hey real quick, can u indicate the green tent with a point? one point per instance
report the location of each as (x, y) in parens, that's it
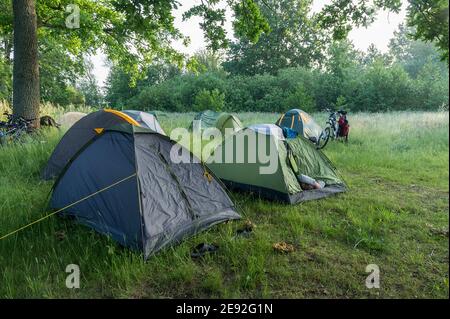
(221, 121)
(260, 160)
(227, 122)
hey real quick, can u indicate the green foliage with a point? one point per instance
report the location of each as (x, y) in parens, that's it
(118, 88)
(428, 17)
(133, 34)
(91, 93)
(406, 78)
(5, 79)
(59, 75)
(432, 90)
(249, 21)
(208, 61)
(341, 103)
(413, 54)
(346, 82)
(294, 40)
(300, 99)
(209, 100)
(382, 89)
(73, 96)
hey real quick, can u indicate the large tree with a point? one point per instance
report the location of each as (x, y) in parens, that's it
(26, 94)
(294, 40)
(131, 33)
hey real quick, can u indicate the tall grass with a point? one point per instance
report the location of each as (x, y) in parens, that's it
(396, 166)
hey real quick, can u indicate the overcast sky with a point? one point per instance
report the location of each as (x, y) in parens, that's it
(379, 33)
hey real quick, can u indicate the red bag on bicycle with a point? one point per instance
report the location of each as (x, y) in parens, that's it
(344, 127)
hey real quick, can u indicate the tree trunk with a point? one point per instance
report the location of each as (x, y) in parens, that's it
(26, 95)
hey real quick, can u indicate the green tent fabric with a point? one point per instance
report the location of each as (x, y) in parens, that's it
(227, 122)
(221, 121)
(236, 162)
(302, 123)
(205, 120)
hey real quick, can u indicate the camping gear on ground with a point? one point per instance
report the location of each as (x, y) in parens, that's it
(225, 122)
(88, 128)
(311, 182)
(283, 247)
(14, 128)
(48, 121)
(202, 249)
(273, 174)
(70, 118)
(302, 123)
(245, 231)
(125, 185)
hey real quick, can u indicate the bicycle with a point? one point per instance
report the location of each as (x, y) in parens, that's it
(330, 131)
(13, 128)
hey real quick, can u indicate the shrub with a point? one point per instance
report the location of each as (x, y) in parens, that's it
(209, 100)
(374, 87)
(300, 99)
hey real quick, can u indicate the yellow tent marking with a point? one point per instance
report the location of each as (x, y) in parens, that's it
(292, 122)
(208, 176)
(99, 130)
(281, 119)
(305, 118)
(68, 206)
(124, 116)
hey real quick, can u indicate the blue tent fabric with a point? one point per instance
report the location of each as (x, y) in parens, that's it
(289, 133)
(104, 162)
(162, 204)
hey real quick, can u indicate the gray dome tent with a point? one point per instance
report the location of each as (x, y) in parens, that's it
(143, 200)
(87, 128)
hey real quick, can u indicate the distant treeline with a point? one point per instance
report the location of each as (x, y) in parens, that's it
(374, 88)
(408, 79)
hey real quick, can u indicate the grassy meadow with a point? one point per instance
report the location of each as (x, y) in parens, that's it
(395, 215)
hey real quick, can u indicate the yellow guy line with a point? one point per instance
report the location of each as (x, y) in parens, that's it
(68, 206)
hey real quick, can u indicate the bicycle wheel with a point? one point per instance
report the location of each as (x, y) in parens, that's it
(323, 138)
